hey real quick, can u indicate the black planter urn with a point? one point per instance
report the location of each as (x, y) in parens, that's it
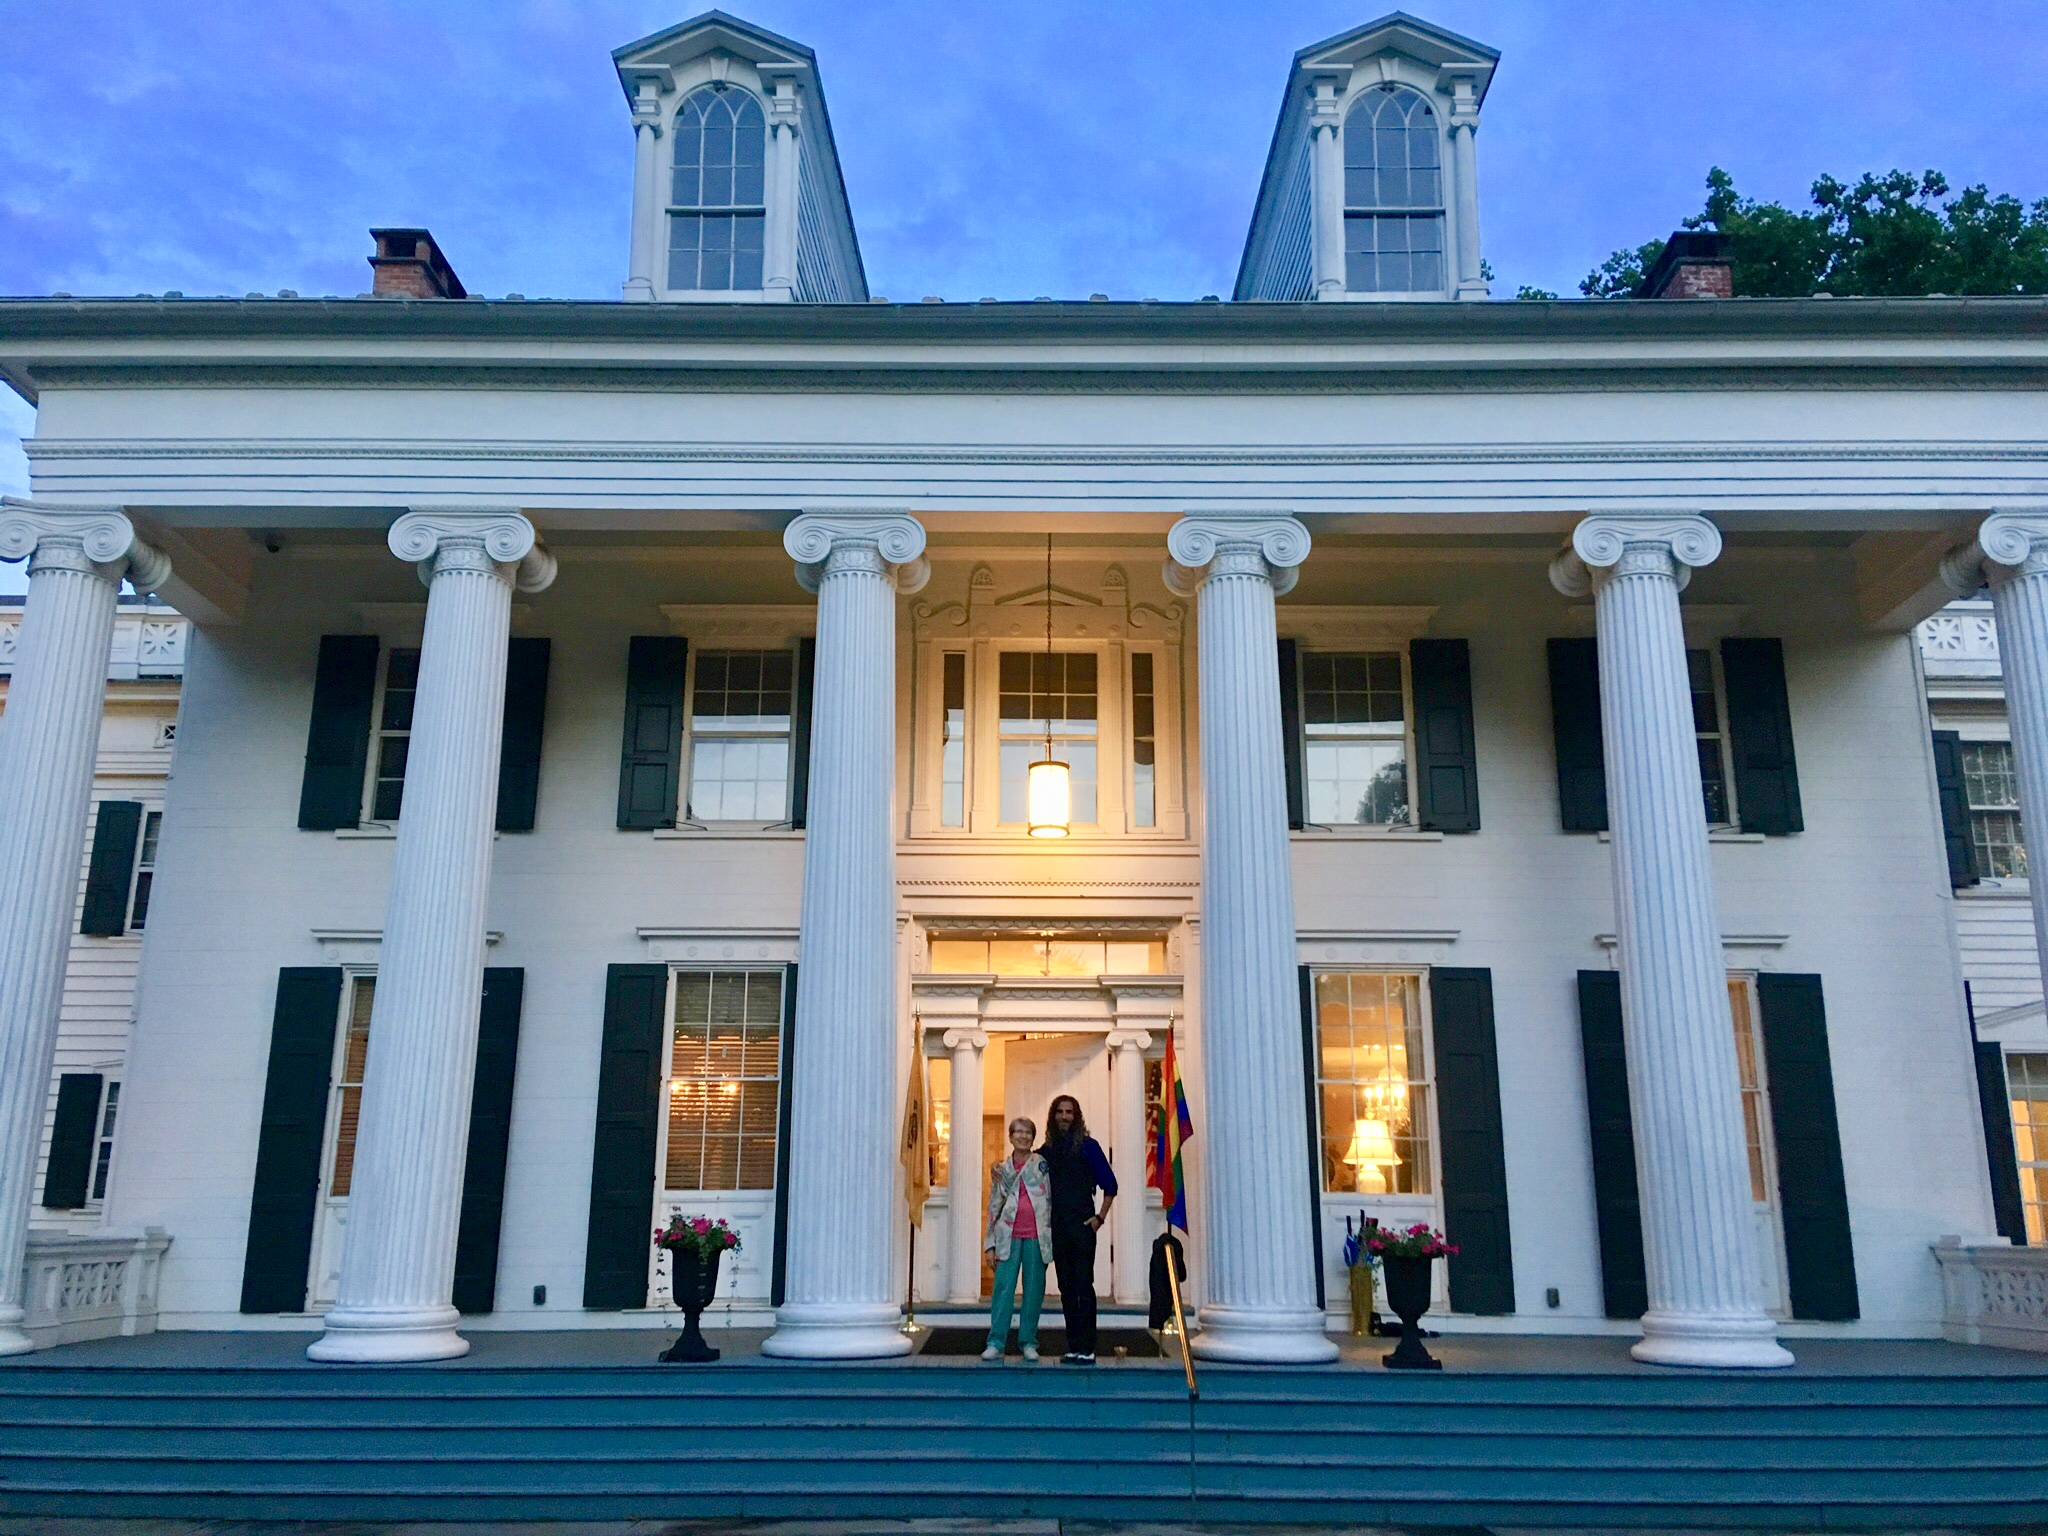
(693, 1281)
(1408, 1295)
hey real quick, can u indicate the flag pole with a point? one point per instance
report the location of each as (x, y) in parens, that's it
(910, 1324)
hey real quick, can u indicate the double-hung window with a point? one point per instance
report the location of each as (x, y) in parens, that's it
(724, 1089)
(1393, 194)
(1372, 1083)
(2027, 1081)
(1710, 730)
(1355, 743)
(740, 714)
(717, 208)
(393, 732)
(103, 1139)
(1992, 790)
(1045, 698)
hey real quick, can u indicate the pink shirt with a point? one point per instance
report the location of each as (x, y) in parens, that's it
(1026, 1224)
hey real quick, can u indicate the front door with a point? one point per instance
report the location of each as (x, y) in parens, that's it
(1037, 1070)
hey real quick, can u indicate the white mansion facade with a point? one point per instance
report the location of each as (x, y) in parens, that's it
(1495, 755)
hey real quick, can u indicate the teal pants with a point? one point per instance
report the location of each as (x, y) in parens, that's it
(1023, 1256)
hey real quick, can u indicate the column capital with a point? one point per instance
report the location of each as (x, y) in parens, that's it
(1629, 543)
(2008, 544)
(1204, 544)
(426, 536)
(965, 1038)
(889, 543)
(103, 535)
(1130, 1040)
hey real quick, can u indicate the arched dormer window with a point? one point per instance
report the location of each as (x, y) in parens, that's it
(1393, 194)
(717, 201)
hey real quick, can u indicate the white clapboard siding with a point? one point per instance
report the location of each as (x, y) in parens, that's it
(1996, 932)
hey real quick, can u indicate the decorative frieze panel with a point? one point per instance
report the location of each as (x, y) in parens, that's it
(1961, 632)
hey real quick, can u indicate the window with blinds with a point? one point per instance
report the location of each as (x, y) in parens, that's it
(348, 1086)
(724, 1078)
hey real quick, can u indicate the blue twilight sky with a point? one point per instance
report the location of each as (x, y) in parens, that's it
(1011, 150)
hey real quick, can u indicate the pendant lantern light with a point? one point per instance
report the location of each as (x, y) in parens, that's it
(1048, 788)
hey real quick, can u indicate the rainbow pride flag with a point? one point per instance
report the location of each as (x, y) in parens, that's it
(1176, 1129)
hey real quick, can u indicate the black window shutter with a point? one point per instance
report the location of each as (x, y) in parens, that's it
(1955, 810)
(1475, 1170)
(1575, 726)
(621, 1237)
(1446, 751)
(1315, 1121)
(526, 707)
(1813, 1201)
(490, 1132)
(1290, 735)
(1994, 1098)
(1760, 735)
(651, 760)
(779, 1264)
(294, 1133)
(110, 877)
(338, 740)
(68, 1176)
(800, 733)
(1611, 1123)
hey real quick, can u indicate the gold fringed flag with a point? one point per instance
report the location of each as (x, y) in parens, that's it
(917, 1142)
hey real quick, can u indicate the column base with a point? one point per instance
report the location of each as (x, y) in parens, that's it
(1710, 1342)
(837, 1331)
(388, 1336)
(13, 1341)
(1269, 1336)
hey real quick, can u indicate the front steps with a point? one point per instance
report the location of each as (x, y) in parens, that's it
(1914, 1435)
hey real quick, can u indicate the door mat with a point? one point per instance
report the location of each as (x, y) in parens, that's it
(1136, 1343)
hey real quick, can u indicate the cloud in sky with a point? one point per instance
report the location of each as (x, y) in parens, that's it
(1011, 150)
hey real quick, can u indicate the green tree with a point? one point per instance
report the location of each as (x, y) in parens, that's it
(1884, 235)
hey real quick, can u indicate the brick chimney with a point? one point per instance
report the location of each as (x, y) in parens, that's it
(409, 265)
(1693, 265)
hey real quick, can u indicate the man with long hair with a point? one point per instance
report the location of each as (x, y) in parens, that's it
(1079, 1168)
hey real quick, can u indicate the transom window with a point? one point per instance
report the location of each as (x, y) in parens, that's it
(717, 208)
(1356, 747)
(725, 1069)
(1372, 1083)
(740, 711)
(1048, 957)
(1393, 194)
(2027, 1080)
(1037, 695)
(1993, 792)
(400, 684)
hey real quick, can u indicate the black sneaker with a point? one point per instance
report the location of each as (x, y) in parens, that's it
(1086, 1357)
(1070, 1358)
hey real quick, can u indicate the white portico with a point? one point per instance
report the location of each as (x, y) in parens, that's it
(1491, 744)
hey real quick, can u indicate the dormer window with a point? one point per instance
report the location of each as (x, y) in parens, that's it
(1393, 194)
(718, 208)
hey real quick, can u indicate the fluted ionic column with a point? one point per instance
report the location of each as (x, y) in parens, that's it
(2011, 553)
(845, 1201)
(1692, 1163)
(1130, 1266)
(393, 1301)
(966, 1182)
(1262, 1300)
(48, 740)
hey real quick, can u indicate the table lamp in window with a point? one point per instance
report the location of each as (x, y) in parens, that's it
(1372, 1154)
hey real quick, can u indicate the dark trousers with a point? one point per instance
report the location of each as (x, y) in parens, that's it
(1073, 1260)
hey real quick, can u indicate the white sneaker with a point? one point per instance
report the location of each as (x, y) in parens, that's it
(991, 1353)
(1031, 1353)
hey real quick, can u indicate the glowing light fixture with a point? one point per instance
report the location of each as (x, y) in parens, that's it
(1372, 1154)
(1048, 788)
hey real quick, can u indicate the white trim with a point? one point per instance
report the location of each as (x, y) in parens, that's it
(708, 948)
(359, 946)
